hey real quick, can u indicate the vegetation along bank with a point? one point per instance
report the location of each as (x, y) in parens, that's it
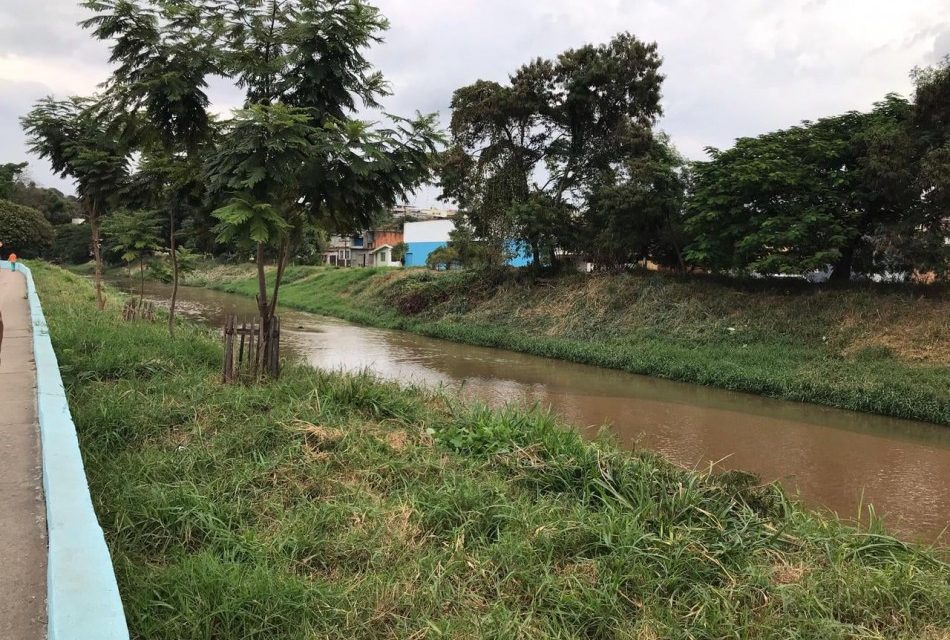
(868, 348)
(336, 506)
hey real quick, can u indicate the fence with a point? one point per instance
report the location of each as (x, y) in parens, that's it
(258, 348)
(143, 310)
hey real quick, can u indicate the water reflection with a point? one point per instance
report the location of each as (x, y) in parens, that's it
(833, 459)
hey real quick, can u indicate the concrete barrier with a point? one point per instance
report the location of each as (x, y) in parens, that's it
(83, 600)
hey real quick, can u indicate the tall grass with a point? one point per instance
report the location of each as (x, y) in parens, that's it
(337, 506)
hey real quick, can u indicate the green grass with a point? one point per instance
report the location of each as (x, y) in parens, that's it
(875, 349)
(332, 506)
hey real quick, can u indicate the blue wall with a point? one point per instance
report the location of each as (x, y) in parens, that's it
(522, 254)
(419, 251)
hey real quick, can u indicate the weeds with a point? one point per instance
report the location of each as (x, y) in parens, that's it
(337, 506)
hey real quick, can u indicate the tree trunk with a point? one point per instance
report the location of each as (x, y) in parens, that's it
(267, 309)
(174, 250)
(262, 306)
(141, 281)
(97, 257)
(841, 271)
(283, 257)
(676, 247)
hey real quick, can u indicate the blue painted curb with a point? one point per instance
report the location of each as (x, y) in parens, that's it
(82, 600)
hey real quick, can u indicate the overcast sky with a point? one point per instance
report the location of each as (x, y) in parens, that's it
(732, 69)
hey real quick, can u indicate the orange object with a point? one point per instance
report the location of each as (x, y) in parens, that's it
(12, 257)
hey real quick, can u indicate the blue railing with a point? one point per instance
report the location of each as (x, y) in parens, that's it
(83, 600)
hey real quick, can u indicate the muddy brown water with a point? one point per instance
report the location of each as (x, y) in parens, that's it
(831, 459)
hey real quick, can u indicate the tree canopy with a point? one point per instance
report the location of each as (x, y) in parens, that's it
(822, 193)
(9, 175)
(525, 154)
(80, 139)
(24, 231)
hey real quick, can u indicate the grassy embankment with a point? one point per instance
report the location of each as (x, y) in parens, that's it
(333, 506)
(868, 348)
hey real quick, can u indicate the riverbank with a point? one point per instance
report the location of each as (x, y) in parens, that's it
(324, 505)
(876, 349)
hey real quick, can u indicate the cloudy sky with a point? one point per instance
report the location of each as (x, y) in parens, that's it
(732, 69)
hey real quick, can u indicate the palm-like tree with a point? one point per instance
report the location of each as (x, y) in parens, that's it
(164, 53)
(81, 140)
(135, 237)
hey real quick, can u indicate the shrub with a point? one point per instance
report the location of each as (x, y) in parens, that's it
(24, 231)
(442, 259)
(161, 269)
(72, 244)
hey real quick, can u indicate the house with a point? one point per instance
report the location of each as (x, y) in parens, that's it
(339, 253)
(364, 249)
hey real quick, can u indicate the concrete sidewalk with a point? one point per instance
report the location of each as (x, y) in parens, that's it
(23, 545)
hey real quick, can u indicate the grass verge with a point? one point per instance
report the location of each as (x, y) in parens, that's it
(333, 506)
(876, 349)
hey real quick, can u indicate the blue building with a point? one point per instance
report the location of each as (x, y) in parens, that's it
(422, 238)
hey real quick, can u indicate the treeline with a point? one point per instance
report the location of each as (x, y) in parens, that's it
(36, 220)
(563, 162)
(154, 168)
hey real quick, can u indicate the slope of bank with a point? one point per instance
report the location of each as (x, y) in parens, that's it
(333, 506)
(868, 348)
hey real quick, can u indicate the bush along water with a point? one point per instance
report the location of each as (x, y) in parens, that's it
(325, 505)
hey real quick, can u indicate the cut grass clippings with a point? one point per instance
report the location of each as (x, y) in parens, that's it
(326, 505)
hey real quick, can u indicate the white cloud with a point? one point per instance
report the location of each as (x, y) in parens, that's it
(68, 76)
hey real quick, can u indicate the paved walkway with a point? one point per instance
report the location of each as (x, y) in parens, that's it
(22, 511)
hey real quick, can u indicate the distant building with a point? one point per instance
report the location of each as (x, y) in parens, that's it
(417, 214)
(422, 238)
(364, 249)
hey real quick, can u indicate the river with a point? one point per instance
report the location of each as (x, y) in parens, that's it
(830, 459)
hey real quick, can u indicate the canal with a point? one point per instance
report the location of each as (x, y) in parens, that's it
(830, 459)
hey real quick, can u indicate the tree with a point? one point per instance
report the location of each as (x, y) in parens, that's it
(72, 244)
(133, 236)
(57, 207)
(80, 140)
(922, 240)
(17, 187)
(524, 153)
(806, 197)
(164, 53)
(293, 157)
(635, 212)
(264, 193)
(472, 252)
(9, 175)
(442, 259)
(187, 260)
(23, 230)
(399, 251)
